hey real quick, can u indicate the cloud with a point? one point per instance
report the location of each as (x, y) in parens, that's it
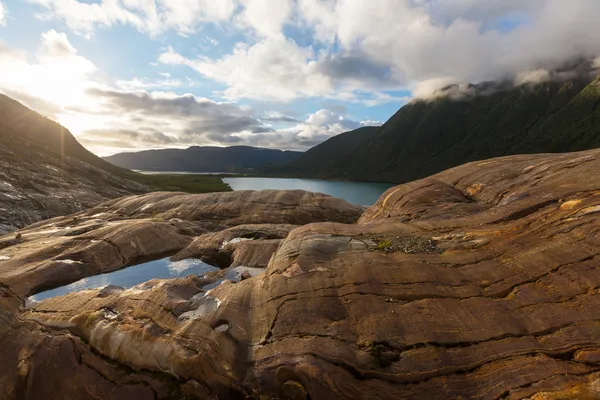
(353, 46)
(277, 69)
(123, 138)
(148, 16)
(273, 69)
(328, 51)
(358, 68)
(190, 120)
(318, 127)
(265, 17)
(277, 117)
(3, 13)
(370, 122)
(132, 115)
(57, 75)
(459, 40)
(200, 114)
(83, 17)
(185, 15)
(146, 83)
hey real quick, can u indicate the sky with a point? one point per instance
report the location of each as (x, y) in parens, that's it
(129, 75)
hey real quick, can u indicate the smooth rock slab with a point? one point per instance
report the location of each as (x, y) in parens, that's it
(498, 298)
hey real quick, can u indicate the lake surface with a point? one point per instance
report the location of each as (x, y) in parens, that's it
(363, 193)
(182, 173)
(132, 276)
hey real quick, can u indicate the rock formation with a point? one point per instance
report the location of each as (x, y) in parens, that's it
(480, 282)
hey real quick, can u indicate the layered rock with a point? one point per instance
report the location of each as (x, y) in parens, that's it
(477, 283)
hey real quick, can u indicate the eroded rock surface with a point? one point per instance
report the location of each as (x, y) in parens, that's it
(481, 282)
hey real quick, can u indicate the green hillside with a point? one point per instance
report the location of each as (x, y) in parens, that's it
(428, 136)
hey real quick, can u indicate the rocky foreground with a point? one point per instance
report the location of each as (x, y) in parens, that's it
(477, 283)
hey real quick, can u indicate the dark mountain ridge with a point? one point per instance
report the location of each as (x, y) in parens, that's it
(204, 159)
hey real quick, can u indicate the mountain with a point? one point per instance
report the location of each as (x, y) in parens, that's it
(45, 172)
(18, 122)
(462, 124)
(203, 159)
(333, 151)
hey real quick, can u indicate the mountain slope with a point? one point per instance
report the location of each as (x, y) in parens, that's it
(428, 136)
(333, 150)
(45, 172)
(204, 159)
(16, 119)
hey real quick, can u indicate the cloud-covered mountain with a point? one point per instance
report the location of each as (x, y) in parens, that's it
(466, 123)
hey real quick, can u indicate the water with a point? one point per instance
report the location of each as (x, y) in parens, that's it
(363, 193)
(182, 173)
(132, 276)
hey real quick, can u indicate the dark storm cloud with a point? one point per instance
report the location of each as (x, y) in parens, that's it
(262, 130)
(145, 135)
(355, 66)
(202, 115)
(281, 118)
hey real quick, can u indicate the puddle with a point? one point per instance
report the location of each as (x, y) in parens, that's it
(131, 276)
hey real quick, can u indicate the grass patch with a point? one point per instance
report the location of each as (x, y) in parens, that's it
(384, 244)
(182, 183)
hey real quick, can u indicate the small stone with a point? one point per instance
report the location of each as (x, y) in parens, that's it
(110, 290)
(18, 236)
(245, 275)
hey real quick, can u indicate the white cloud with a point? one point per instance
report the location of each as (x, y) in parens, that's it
(266, 17)
(3, 13)
(57, 76)
(185, 15)
(422, 41)
(319, 127)
(274, 69)
(370, 122)
(149, 16)
(365, 45)
(84, 17)
(146, 83)
(385, 45)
